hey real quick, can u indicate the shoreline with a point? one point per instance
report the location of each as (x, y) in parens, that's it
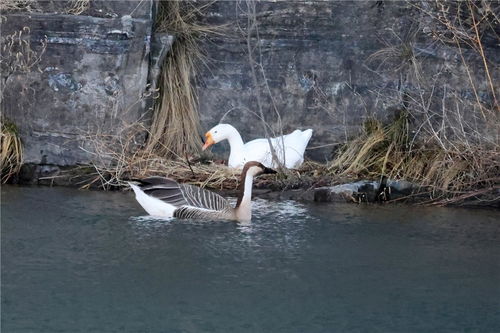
(307, 184)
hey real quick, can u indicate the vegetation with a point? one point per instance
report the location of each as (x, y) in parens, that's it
(437, 138)
(446, 143)
(118, 158)
(11, 150)
(448, 174)
(77, 7)
(73, 7)
(17, 57)
(175, 129)
(12, 5)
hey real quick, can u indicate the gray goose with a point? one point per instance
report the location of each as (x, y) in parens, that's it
(165, 197)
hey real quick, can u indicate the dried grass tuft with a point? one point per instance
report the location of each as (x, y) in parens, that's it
(72, 7)
(11, 153)
(121, 157)
(21, 5)
(369, 154)
(447, 143)
(398, 56)
(175, 127)
(460, 172)
(77, 7)
(17, 55)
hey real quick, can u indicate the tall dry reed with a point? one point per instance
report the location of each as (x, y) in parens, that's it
(175, 128)
(11, 151)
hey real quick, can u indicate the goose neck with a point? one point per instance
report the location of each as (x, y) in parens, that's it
(235, 140)
(244, 203)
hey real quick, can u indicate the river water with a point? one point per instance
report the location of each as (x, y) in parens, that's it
(84, 261)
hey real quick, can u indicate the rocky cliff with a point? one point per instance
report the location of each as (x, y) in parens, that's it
(330, 65)
(325, 65)
(90, 75)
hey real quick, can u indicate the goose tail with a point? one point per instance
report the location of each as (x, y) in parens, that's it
(306, 135)
(152, 205)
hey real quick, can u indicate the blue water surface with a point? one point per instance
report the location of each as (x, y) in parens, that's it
(84, 261)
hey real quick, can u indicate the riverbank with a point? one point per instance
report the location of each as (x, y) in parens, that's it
(417, 105)
(313, 181)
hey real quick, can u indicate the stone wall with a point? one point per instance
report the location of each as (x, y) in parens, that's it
(329, 65)
(325, 65)
(92, 75)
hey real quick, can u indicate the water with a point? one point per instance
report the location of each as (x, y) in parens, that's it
(80, 261)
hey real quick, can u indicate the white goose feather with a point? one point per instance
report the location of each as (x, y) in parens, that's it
(289, 148)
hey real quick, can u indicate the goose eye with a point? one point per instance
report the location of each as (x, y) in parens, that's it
(215, 132)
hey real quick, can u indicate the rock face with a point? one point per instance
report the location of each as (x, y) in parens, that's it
(93, 73)
(329, 65)
(325, 65)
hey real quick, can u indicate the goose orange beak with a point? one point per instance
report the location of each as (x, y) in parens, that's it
(209, 141)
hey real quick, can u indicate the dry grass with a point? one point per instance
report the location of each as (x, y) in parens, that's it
(441, 140)
(466, 24)
(14, 5)
(77, 7)
(175, 127)
(11, 153)
(74, 7)
(18, 56)
(398, 56)
(119, 158)
(449, 175)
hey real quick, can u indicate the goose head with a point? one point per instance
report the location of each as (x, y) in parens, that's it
(250, 170)
(243, 207)
(218, 133)
(254, 169)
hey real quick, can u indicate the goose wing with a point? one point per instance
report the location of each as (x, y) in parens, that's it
(182, 195)
(289, 149)
(165, 189)
(201, 198)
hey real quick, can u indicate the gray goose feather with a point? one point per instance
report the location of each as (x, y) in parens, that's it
(193, 202)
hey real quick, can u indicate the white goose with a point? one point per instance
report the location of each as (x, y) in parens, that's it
(291, 156)
(165, 197)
